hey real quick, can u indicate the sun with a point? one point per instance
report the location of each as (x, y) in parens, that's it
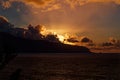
(61, 38)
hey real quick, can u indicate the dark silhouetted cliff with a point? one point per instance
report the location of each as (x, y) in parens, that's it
(12, 44)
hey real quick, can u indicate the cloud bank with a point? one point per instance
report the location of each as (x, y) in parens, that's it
(31, 32)
(38, 3)
(52, 3)
(84, 2)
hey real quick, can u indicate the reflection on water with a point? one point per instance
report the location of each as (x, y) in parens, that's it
(64, 67)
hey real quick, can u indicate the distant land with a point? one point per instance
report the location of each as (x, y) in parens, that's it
(12, 44)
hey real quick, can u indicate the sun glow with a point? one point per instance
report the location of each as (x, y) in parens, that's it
(64, 38)
(61, 37)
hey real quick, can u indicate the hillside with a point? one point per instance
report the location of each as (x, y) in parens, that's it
(10, 44)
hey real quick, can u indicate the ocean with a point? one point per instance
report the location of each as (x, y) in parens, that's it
(63, 66)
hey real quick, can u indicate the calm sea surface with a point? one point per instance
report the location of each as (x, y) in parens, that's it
(63, 67)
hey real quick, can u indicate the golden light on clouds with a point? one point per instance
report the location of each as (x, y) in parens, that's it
(59, 35)
(6, 4)
(83, 2)
(61, 38)
(54, 3)
(38, 3)
(53, 7)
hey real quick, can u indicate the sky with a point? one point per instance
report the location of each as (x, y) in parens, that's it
(96, 19)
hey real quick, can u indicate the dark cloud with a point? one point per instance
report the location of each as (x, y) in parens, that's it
(16, 13)
(112, 42)
(86, 40)
(32, 32)
(3, 20)
(5, 25)
(52, 38)
(107, 44)
(73, 40)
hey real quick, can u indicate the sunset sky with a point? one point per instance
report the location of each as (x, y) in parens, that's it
(96, 19)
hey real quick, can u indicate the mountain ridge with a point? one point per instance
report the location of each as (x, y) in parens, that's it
(12, 44)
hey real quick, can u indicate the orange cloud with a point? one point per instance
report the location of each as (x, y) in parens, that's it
(6, 4)
(3, 19)
(53, 7)
(73, 3)
(49, 3)
(34, 3)
(103, 1)
(38, 3)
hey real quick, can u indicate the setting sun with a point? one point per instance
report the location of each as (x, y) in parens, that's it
(61, 38)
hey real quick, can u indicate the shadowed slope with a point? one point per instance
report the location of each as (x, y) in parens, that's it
(20, 45)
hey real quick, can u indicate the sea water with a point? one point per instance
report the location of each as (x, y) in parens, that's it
(64, 67)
